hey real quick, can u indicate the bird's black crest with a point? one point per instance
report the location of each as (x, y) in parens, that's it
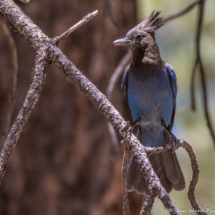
(152, 23)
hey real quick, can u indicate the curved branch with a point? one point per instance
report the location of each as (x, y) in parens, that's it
(117, 72)
(175, 143)
(110, 13)
(113, 80)
(202, 72)
(181, 13)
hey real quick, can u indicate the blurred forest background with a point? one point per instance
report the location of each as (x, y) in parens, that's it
(63, 163)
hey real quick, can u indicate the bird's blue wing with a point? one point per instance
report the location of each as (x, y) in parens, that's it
(173, 83)
(124, 84)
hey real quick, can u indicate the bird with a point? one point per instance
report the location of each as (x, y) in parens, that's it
(150, 87)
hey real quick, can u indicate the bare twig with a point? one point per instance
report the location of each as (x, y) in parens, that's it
(110, 12)
(29, 103)
(8, 100)
(125, 163)
(117, 72)
(66, 34)
(181, 13)
(113, 80)
(175, 143)
(202, 72)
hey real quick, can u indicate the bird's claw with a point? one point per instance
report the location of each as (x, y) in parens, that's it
(173, 142)
(125, 130)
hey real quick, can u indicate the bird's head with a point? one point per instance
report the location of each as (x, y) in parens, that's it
(142, 36)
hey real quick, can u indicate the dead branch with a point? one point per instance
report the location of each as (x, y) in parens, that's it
(176, 143)
(8, 100)
(66, 34)
(198, 62)
(147, 204)
(27, 107)
(117, 72)
(202, 72)
(110, 12)
(113, 80)
(181, 13)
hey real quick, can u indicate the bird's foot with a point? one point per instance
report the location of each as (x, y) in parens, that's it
(128, 128)
(125, 130)
(172, 138)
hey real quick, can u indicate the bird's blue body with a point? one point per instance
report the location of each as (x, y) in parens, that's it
(151, 99)
(150, 87)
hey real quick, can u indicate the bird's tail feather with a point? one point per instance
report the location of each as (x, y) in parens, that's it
(165, 165)
(135, 180)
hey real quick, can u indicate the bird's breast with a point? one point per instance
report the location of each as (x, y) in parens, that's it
(150, 97)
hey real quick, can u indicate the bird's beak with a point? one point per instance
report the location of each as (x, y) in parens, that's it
(123, 42)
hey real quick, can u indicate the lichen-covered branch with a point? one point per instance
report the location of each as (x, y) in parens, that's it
(147, 204)
(175, 143)
(29, 103)
(66, 34)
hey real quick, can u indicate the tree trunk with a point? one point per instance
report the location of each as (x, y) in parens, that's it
(63, 161)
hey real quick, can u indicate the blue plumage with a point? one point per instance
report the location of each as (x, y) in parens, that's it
(150, 87)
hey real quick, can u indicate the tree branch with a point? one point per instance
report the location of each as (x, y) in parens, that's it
(147, 204)
(113, 80)
(110, 13)
(175, 143)
(202, 72)
(181, 13)
(29, 103)
(117, 72)
(66, 34)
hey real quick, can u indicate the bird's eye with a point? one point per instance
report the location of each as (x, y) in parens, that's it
(139, 36)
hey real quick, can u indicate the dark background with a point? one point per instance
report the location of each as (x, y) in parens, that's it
(63, 162)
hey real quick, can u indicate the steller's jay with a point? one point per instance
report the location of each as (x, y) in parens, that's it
(150, 87)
